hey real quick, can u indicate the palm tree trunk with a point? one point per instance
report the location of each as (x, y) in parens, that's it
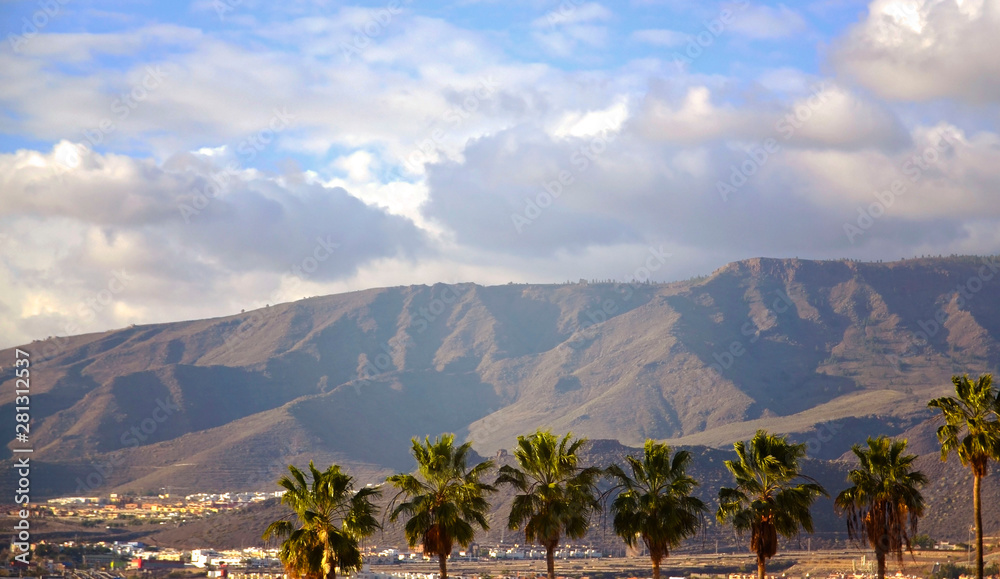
(761, 567)
(977, 506)
(880, 560)
(656, 568)
(443, 566)
(550, 560)
(328, 565)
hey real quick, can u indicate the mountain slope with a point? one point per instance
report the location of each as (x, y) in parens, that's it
(796, 346)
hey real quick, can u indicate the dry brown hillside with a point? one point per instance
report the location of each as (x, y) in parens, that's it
(828, 351)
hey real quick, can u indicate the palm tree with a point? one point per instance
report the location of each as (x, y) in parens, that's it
(766, 502)
(656, 503)
(555, 496)
(319, 546)
(445, 501)
(972, 431)
(885, 503)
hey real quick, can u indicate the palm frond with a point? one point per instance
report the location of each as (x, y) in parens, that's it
(555, 496)
(445, 501)
(655, 504)
(768, 500)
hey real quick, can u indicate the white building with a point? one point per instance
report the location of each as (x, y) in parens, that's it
(203, 557)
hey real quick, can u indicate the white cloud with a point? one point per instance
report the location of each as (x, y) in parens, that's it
(591, 123)
(567, 13)
(695, 118)
(765, 22)
(217, 92)
(833, 117)
(947, 175)
(819, 114)
(423, 144)
(179, 238)
(565, 28)
(525, 193)
(660, 37)
(785, 80)
(81, 47)
(925, 49)
(566, 41)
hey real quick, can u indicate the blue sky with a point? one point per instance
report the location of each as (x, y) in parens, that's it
(210, 149)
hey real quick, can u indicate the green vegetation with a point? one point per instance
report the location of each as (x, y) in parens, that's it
(555, 496)
(319, 546)
(884, 503)
(950, 571)
(972, 431)
(655, 503)
(447, 500)
(765, 502)
(64, 554)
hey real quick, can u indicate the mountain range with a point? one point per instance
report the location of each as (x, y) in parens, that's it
(827, 352)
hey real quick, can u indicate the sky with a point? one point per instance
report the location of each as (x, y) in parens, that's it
(164, 161)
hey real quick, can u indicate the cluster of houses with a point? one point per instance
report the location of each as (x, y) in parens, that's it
(567, 552)
(258, 563)
(144, 557)
(162, 507)
(476, 552)
(265, 562)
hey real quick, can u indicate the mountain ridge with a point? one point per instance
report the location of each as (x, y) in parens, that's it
(796, 346)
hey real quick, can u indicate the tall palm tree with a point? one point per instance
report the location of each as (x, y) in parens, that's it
(332, 518)
(885, 502)
(446, 501)
(972, 431)
(766, 501)
(655, 503)
(555, 495)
